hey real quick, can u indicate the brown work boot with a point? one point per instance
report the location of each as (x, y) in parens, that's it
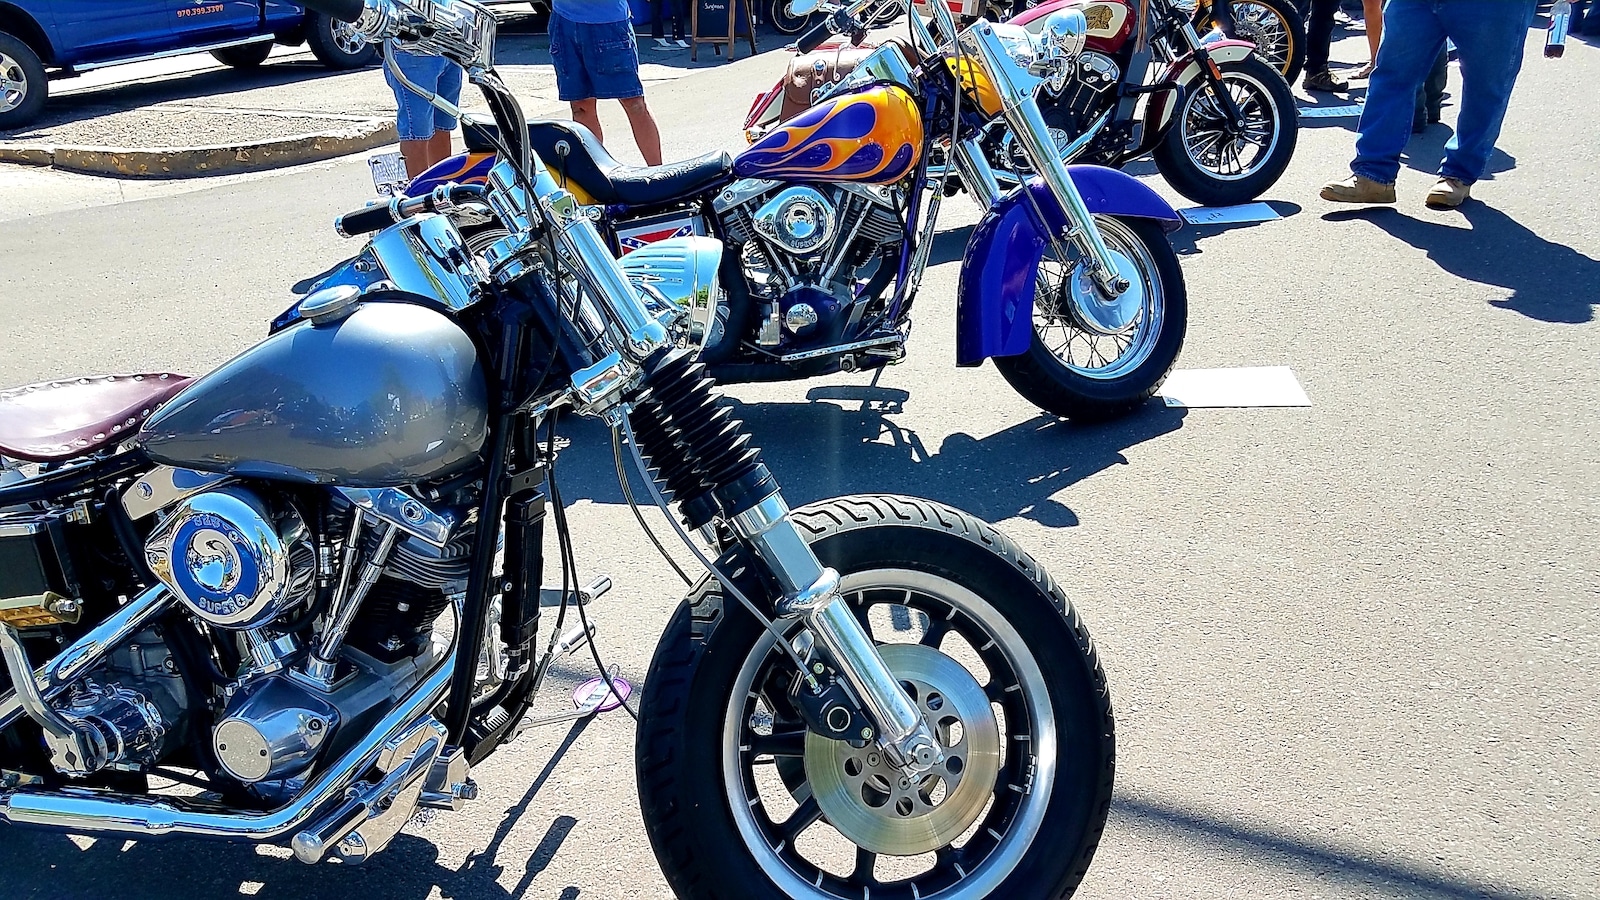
(1357, 189)
(1325, 82)
(1449, 193)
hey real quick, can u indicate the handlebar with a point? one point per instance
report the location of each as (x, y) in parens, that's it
(379, 216)
(347, 11)
(815, 36)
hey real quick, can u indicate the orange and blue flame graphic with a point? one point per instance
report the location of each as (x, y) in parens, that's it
(873, 136)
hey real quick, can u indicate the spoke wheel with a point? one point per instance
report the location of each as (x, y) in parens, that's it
(1276, 32)
(1095, 336)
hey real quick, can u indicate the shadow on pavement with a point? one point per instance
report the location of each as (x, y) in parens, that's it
(1548, 281)
(843, 440)
(159, 870)
(1304, 854)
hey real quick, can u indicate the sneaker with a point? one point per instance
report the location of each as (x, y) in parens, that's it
(1357, 189)
(1449, 193)
(1325, 82)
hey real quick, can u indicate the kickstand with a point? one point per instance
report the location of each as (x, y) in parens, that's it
(588, 706)
(876, 374)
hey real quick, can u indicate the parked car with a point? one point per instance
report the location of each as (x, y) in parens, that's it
(42, 40)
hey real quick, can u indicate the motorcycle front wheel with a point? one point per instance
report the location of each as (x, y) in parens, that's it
(1092, 358)
(1205, 158)
(742, 803)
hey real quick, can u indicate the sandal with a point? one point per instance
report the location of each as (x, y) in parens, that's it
(1365, 71)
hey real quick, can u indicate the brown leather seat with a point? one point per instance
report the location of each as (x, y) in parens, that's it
(58, 420)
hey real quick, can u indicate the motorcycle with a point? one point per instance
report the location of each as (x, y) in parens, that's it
(1070, 286)
(1220, 122)
(306, 586)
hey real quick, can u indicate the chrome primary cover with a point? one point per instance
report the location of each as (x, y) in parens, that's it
(226, 558)
(388, 395)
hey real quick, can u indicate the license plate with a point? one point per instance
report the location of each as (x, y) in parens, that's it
(388, 173)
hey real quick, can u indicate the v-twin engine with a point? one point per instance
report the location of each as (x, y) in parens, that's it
(804, 249)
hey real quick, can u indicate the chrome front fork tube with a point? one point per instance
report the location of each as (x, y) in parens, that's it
(811, 594)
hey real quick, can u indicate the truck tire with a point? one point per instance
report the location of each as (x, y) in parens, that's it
(23, 87)
(337, 45)
(244, 56)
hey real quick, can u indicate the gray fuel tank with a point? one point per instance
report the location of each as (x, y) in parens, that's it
(389, 395)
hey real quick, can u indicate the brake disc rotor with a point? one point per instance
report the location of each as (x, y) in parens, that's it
(873, 804)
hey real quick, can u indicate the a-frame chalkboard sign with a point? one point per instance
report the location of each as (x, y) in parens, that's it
(720, 22)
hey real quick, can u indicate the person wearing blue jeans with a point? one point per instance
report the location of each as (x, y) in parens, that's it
(1489, 36)
(596, 58)
(424, 131)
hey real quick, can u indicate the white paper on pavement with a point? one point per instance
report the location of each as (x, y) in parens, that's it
(1330, 112)
(1242, 214)
(1247, 386)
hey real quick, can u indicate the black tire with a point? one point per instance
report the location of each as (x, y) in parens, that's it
(1272, 98)
(244, 56)
(783, 22)
(1083, 393)
(1290, 60)
(710, 642)
(23, 85)
(336, 45)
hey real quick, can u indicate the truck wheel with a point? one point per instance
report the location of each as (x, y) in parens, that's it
(337, 45)
(23, 87)
(244, 56)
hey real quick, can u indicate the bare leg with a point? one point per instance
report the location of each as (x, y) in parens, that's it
(416, 157)
(439, 148)
(586, 113)
(645, 133)
(1372, 14)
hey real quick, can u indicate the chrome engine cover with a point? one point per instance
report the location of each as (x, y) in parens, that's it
(226, 558)
(273, 729)
(797, 219)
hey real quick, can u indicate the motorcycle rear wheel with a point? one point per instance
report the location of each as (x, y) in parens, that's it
(1204, 162)
(1084, 367)
(736, 795)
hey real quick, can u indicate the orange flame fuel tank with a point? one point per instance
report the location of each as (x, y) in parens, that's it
(874, 135)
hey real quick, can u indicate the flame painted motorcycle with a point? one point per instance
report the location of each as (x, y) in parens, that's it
(1220, 123)
(305, 588)
(1071, 286)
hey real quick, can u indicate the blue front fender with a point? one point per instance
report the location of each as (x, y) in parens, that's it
(994, 305)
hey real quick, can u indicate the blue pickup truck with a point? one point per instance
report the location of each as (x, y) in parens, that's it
(41, 40)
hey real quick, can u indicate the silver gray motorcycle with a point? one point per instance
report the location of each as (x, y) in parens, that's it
(298, 599)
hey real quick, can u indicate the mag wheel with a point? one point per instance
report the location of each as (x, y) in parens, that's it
(1213, 162)
(23, 84)
(740, 801)
(338, 45)
(1093, 358)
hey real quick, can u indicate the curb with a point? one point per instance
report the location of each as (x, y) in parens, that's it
(191, 162)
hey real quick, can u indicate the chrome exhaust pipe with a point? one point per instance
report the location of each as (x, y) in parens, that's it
(81, 810)
(74, 662)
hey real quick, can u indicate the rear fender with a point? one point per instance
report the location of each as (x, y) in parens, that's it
(1185, 71)
(994, 303)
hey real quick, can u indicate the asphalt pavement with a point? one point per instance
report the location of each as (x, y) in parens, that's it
(1354, 648)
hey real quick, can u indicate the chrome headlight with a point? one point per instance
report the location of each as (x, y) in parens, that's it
(1065, 33)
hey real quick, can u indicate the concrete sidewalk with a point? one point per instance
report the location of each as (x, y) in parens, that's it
(191, 115)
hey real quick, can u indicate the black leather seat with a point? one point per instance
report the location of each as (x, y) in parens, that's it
(570, 150)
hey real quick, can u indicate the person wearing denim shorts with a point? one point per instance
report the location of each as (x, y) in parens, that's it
(1489, 36)
(596, 58)
(424, 131)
